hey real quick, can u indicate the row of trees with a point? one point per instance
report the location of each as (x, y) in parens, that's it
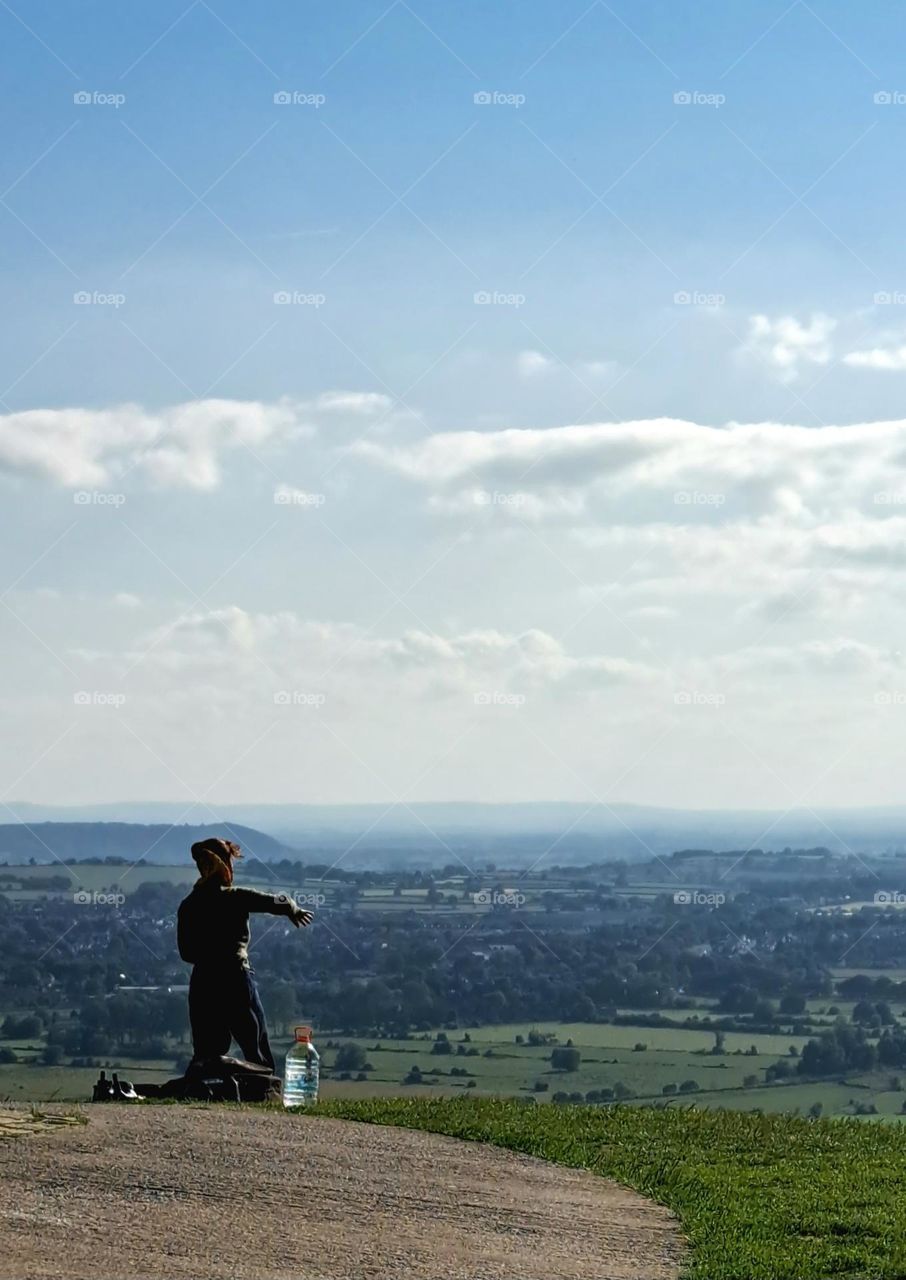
(845, 1048)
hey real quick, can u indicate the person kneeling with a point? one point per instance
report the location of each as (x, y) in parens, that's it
(213, 936)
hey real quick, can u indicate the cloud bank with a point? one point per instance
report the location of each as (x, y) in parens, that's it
(184, 446)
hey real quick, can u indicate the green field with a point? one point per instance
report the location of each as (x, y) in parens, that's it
(758, 1197)
(596, 1035)
(94, 877)
(608, 1057)
(490, 1063)
(835, 1099)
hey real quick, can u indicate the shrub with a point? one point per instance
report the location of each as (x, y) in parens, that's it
(566, 1059)
(350, 1057)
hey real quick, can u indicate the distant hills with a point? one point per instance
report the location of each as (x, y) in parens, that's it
(156, 843)
(439, 833)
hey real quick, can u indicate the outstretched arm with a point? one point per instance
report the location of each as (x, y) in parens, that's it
(275, 904)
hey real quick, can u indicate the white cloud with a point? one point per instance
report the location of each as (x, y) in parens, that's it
(184, 446)
(349, 660)
(886, 358)
(785, 343)
(839, 655)
(180, 447)
(532, 363)
(768, 525)
(669, 474)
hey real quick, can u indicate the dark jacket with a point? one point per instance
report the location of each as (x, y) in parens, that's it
(213, 921)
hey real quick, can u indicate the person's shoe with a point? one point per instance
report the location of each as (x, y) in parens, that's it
(103, 1090)
(123, 1090)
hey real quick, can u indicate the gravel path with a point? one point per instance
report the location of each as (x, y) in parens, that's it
(159, 1193)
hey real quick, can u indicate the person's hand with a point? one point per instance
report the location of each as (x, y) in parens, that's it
(301, 917)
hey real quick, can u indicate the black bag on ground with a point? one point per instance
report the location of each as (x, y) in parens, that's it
(221, 1079)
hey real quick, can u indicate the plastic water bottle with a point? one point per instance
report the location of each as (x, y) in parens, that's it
(300, 1074)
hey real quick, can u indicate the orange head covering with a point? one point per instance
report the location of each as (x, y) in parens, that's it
(214, 858)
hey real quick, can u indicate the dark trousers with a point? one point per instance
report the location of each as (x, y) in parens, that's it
(224, 1005)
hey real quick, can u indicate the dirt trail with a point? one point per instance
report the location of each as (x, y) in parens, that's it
(160, 1193)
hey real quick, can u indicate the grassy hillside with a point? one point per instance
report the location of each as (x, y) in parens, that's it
(758, 1197)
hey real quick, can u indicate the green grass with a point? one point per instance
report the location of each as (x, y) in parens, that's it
(758, 1197)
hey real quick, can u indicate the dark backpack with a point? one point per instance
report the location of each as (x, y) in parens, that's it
(222, 1079)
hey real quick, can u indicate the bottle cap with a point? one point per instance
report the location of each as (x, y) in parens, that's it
(303, 1034)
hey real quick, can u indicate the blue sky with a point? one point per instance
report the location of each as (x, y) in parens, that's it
(596, 99)
(664, 211)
